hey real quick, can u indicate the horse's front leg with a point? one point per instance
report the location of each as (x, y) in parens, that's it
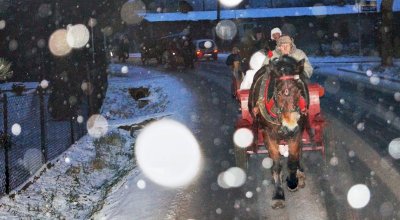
(278, 196)
(296, 177)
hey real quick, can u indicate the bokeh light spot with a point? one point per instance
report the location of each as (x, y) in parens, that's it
(79, 119)
(249, 194)
(334, 161)
(358, 196)
(16, 129)
(397, 96)
(226, 29)
(394, 148)
(41, 43)
(217, 141)
(374, 79)
(234, 177)
(92, 22)
(44, 84)
(230, 3)
(168, 153)
(132, 11)
(124, 70)
(97, 126)
(58, 43)
(243, 137)
(13, 45)
(319, 10)
(207, 44)
(32, 159)
(141, 184)
(267, 163)
(77, 36)
(361, 126)
(44, 10)
(2, 24)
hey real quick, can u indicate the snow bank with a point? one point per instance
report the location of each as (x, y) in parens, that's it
(74, 185)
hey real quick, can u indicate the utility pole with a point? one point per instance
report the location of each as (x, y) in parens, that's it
(218, 11)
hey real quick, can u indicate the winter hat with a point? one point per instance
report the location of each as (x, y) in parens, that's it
(284, 40)
(275, 30)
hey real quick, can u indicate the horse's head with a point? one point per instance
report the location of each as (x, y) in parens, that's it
(290, 93)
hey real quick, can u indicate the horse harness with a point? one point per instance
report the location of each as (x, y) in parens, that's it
(270, 110)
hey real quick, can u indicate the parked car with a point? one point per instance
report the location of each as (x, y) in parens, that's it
(205, 48)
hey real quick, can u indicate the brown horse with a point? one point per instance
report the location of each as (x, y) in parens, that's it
(279, 102)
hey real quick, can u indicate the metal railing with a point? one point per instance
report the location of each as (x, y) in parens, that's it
(30, 136)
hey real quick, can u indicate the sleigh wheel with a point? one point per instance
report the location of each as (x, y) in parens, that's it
(242, 158)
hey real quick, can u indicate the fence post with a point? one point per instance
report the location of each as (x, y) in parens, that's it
(42, 126)
(6, 142)
(71, 123)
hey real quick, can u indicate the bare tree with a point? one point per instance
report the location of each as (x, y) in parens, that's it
(386, 30)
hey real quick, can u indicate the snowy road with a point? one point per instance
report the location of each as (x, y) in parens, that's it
(201, 100)
(213, 125)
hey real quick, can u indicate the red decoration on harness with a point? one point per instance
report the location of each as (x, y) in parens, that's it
(302, 104)
(270, 53)
(269, 104)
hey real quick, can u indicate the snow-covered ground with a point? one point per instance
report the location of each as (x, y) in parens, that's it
(78, 181)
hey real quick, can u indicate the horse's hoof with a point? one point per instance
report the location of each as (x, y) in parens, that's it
(278, 204)
(292, 184)
(293, 190)
(302, 179)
